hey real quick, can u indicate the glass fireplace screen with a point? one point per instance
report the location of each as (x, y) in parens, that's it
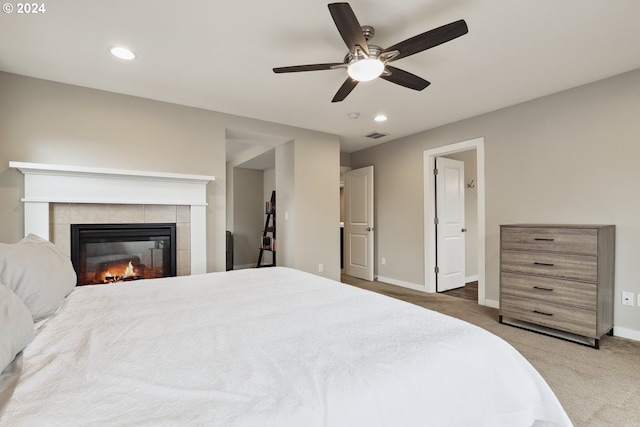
(111, 253)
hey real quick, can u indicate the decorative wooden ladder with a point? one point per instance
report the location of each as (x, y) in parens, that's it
(268, 241)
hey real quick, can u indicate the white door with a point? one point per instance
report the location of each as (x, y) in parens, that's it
(358, 224)
(450, 224)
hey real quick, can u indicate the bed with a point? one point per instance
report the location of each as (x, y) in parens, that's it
(268, 347)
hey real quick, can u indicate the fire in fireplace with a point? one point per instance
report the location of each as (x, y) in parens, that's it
(111, 253)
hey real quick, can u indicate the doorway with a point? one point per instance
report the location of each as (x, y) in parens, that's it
(430, 213)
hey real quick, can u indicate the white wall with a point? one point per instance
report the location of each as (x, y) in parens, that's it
(570, 157)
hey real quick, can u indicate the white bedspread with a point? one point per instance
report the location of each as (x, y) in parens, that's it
(268, 347)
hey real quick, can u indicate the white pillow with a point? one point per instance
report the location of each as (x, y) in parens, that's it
(38, 273)
(16, 326)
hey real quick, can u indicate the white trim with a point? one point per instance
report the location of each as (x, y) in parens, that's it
(99, 201)
(198, 226)
(45, 184)
(492, 303)
(429, 212)
(414, 286)
(48, 169)
(631, 334)
(488, 302)
(72, 184)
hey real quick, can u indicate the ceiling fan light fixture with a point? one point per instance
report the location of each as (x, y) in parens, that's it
(365, 70)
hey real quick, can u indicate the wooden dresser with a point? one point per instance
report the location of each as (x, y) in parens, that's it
(558, 279)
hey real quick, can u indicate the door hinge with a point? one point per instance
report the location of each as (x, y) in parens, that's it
(436, 270)
(435, 171)
(436, 221)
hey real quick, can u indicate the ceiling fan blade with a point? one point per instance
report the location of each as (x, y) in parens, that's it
(310, 67)
(345, 89)
(348, 27)
(404, 78)
(429, 39)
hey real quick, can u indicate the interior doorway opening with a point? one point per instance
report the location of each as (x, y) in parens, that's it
(430, 261)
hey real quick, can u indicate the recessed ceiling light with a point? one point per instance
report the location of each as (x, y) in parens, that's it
(380, 118)
(122, 53)
(353, 116)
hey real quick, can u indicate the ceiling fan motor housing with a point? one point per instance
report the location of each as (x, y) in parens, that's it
(374, 53)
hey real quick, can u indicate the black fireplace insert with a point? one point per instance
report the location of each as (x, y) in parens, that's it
(111, 253)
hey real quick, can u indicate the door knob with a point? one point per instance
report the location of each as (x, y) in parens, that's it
(369, 228)
(464, 230)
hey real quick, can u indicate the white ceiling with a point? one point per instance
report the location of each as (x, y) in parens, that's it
(219, 55)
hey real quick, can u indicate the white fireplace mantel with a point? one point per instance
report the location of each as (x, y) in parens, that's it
(44, 184)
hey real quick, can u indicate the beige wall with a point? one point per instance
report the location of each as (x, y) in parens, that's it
(248, 216)
(286, 206)
(269, 185)
(308, 194)
(47, 122)
(317, 193)
(566, 158)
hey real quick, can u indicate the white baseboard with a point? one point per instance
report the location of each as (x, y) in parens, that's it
(631, 334)
(470, 279)
(402, 283)
(618, 331)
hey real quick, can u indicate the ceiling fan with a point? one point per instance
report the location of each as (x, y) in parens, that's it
(366, 62)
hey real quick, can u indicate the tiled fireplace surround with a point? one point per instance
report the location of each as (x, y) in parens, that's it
(62, 215)
(57, 196)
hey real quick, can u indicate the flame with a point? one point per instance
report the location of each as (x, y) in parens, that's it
(129, 271)
(120, 272)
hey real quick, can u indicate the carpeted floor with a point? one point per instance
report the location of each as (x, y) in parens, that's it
(596, 387)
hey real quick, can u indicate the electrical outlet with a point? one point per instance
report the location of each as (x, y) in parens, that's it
(627, 298)
(383, 261)
(320, 268)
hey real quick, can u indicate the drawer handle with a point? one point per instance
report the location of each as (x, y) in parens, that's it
(543, 239)
(543, 313)
(546, 264)
(543, 289)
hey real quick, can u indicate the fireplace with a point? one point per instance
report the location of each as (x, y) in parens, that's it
(47, 186)
(111, 253)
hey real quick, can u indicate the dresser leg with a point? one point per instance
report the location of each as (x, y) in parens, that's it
(610, 333)
(500, 318)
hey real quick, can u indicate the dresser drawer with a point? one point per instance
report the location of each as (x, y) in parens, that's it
(557, 291)
(578, 267)
(568, 319)
(569, 240)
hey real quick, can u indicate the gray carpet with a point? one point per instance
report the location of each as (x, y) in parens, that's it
(596, 387)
